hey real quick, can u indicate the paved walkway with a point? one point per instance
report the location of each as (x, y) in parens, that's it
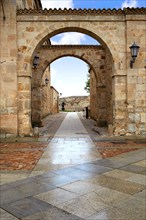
(71, 182)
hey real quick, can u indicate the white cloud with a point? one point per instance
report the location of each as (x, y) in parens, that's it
(57, 4)
(55, 81)
(130, 4)
(53, 42)
(70, 38)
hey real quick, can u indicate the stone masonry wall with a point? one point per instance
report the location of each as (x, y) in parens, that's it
(54, 100)
(101, 90)
(108, 29)
(93, 95)
(136, 77)
(46, 93)
(109, 86)
(8, 70)
(44, 98)
(75, 103)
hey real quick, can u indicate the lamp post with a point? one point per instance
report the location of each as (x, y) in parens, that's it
(134, 52)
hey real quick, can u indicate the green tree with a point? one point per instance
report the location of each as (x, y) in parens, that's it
(87, 84)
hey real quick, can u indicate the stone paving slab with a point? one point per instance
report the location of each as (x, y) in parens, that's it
(110, 163)
(26, 207)
(107, 196)
(57, 196)
(6, 216)
(53, 213)
(76, 173)
(93, 168)
(82, 207)
(134, 169)
(120, 185)
(110, 213)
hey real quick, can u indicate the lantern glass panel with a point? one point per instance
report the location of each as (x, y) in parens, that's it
(134, 51)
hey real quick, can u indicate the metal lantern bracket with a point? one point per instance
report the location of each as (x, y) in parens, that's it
(132, 61)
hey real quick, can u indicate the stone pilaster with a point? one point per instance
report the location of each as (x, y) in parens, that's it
(8, 69)
(24, 105)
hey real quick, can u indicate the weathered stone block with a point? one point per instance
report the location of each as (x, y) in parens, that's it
(134, 117)
(8, 79)
(131, 128)
(130, 108)
(20, 86)
(143, 117)
(110, 129)
(140, 103)
(30, 29)
(139, 80)
(11, 102)
(11, 135)
(120, 115)
(8, 124)
(143, 127)
(132, 80)
(141, 72)
(27, 104)
(141, 87)
(132, 72)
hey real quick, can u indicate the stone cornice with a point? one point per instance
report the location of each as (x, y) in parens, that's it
(137, 11)
(72, 46)
(125, 11)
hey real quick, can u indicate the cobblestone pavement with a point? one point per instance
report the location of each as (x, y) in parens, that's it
(73, 172)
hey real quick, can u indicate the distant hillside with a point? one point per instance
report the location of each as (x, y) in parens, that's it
(74, 103)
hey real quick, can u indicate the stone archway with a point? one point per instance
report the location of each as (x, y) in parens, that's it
(96, 29)
(95, 57)
(100, 92)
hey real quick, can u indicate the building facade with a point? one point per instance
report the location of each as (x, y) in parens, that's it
(121, 88)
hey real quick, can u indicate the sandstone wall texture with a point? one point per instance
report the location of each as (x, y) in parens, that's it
(54, 101)
(41, 97)
(75, 103)
(46, 93)
(8, 70)
(120, 90)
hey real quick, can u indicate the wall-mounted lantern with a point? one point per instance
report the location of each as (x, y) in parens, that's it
(46, 81)
(134, 52)
(145, 64)
(35, 61)
(2, 4)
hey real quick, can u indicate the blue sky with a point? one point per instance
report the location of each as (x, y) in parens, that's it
(68, 75)
(93, 3)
